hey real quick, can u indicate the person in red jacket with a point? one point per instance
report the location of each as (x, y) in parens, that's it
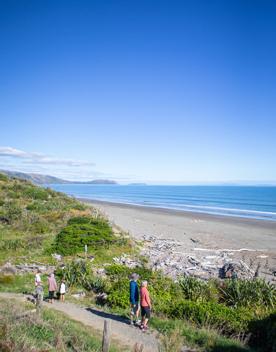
(145, 305)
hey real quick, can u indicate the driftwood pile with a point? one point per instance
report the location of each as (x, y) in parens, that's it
(168, 256)
(9, 269)
(127, 261)
(165, 255)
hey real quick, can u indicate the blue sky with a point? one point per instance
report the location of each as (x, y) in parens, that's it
(154, 91)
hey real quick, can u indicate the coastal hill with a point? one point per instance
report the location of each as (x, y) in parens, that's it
(40, 179)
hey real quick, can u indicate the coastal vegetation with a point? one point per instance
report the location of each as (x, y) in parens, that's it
(51, 331)
(84, 231)
(214, 315)
(35, 222)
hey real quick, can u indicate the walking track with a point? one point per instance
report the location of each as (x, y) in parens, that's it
(121, 331)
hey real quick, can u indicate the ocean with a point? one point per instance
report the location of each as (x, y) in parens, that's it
(239, 201)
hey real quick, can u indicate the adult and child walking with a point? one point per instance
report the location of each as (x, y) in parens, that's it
(139, 302)
(52, 288)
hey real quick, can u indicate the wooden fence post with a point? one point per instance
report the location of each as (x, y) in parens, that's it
(106, 337)
(138, 348)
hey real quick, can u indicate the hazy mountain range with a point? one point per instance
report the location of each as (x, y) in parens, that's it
(46, 179)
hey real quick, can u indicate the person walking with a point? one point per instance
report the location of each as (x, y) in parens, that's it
(52, 287)
(134, 299)
(145, 305)
(37, 278)
(38, 297)
(62, 290)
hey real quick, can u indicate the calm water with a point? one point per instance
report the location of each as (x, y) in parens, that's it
(249, 202)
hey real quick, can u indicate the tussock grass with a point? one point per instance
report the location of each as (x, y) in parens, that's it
(178, 333)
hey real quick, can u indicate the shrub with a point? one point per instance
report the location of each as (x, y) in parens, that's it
(80, 220)
(118, 296)
(79, 273)
(40, 226)
(227, 320)
(78, 206)
(163, 291)
(6, 279)
(197, 290)
(75, 273)
(35, 193)
(12, 211)
(3, 177)
(116, 271)
(248, 293)
(36, 206)
(77, 234)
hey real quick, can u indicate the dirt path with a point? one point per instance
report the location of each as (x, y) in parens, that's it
(122, 332)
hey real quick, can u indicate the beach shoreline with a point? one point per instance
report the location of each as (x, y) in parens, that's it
(267, 223)
(198, 235)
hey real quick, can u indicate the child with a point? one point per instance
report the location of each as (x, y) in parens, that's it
(62, 290)
(37, 278)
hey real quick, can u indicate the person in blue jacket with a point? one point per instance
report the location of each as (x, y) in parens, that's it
(134, 299)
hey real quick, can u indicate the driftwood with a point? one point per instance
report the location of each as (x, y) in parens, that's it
(106, 337)
(204, 263)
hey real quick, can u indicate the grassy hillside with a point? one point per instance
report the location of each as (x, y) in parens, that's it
(31, 217)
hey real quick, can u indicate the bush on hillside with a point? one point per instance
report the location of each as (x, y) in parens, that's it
(36, 193)
(248, 293)
(163, 291)
(257, 293)
(228, 320)
(75, 273)
(91, 232)
(11, 211)
(197, 290)
(79, 273)
(3, 177)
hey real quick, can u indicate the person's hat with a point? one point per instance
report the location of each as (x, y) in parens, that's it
(134, 276)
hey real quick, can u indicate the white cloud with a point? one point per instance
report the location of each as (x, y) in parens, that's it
(75, 170)
(37, 158)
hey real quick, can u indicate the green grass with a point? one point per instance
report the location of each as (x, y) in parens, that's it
(204, 339)
(17, 283)
(51, 331)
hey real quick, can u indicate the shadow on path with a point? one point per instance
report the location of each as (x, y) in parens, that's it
(108, 315)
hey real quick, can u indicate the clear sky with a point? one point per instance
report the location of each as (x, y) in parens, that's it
(139, 90)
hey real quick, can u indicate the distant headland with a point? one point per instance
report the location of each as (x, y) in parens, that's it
(40, 179)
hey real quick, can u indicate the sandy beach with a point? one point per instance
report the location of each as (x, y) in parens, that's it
(199, 234)
(209, 230)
